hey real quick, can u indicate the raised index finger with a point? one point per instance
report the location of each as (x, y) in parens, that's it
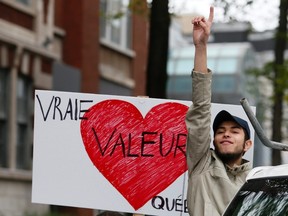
(211, 14)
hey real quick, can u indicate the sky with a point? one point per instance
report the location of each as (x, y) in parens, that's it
(263, 15)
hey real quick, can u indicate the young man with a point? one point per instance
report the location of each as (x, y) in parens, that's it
(214, 175)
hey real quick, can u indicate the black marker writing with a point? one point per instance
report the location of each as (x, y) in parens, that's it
(63, 110)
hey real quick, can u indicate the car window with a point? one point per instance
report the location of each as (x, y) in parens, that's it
(261, 197)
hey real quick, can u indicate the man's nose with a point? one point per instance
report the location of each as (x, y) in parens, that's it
(227, 134)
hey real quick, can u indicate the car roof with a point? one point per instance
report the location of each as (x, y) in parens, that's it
(268, 171)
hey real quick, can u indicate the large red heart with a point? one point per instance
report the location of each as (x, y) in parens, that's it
(139, 156)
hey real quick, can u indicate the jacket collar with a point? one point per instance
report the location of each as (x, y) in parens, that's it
(236, 169)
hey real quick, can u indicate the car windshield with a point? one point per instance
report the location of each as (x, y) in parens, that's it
(261, 197)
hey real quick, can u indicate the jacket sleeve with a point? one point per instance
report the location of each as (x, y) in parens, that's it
(198, 121)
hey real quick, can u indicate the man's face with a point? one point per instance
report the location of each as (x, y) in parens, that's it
(229, 141)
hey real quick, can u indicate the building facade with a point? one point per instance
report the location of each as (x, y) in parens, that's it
(59, 45)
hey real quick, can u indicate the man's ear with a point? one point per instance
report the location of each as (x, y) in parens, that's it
(247, 145)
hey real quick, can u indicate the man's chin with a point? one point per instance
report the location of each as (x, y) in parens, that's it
(228, 156)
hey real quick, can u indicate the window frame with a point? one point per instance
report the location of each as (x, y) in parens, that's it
(23, 159)
(258, 188)
(27, 8)
(13, 169)
(124, 18)
(4, 119)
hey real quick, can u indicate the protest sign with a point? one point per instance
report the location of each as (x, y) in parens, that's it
(113, 153)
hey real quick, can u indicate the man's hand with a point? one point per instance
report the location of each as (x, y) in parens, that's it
(202, 28)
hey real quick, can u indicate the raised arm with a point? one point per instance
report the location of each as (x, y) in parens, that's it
(198, 118)
(201, 32)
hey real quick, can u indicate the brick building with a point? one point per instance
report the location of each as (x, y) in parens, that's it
(59, 45)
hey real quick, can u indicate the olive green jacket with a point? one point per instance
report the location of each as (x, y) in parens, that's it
(211, 184)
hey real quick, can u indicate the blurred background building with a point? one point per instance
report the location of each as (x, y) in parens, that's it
(87, 46)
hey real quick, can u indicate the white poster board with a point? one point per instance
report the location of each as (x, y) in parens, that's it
(113, 153)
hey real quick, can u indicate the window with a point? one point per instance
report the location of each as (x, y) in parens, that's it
(225, 60)
(179, 66)
(25, 2)
(227, 66)
(23, 133)
(108, 87)
(267, 196)
(224, 84)
(26, 6)
(115, 23)
(3, 119)
(23, 151)
(179, 84)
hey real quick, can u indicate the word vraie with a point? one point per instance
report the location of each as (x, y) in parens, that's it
(62, 110)
(139, 155)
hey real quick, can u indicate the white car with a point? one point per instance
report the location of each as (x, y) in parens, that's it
(265, 193)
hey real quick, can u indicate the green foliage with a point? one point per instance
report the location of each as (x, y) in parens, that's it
(267, 71)
(279, 82)
(138, 7)
(116, 15)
